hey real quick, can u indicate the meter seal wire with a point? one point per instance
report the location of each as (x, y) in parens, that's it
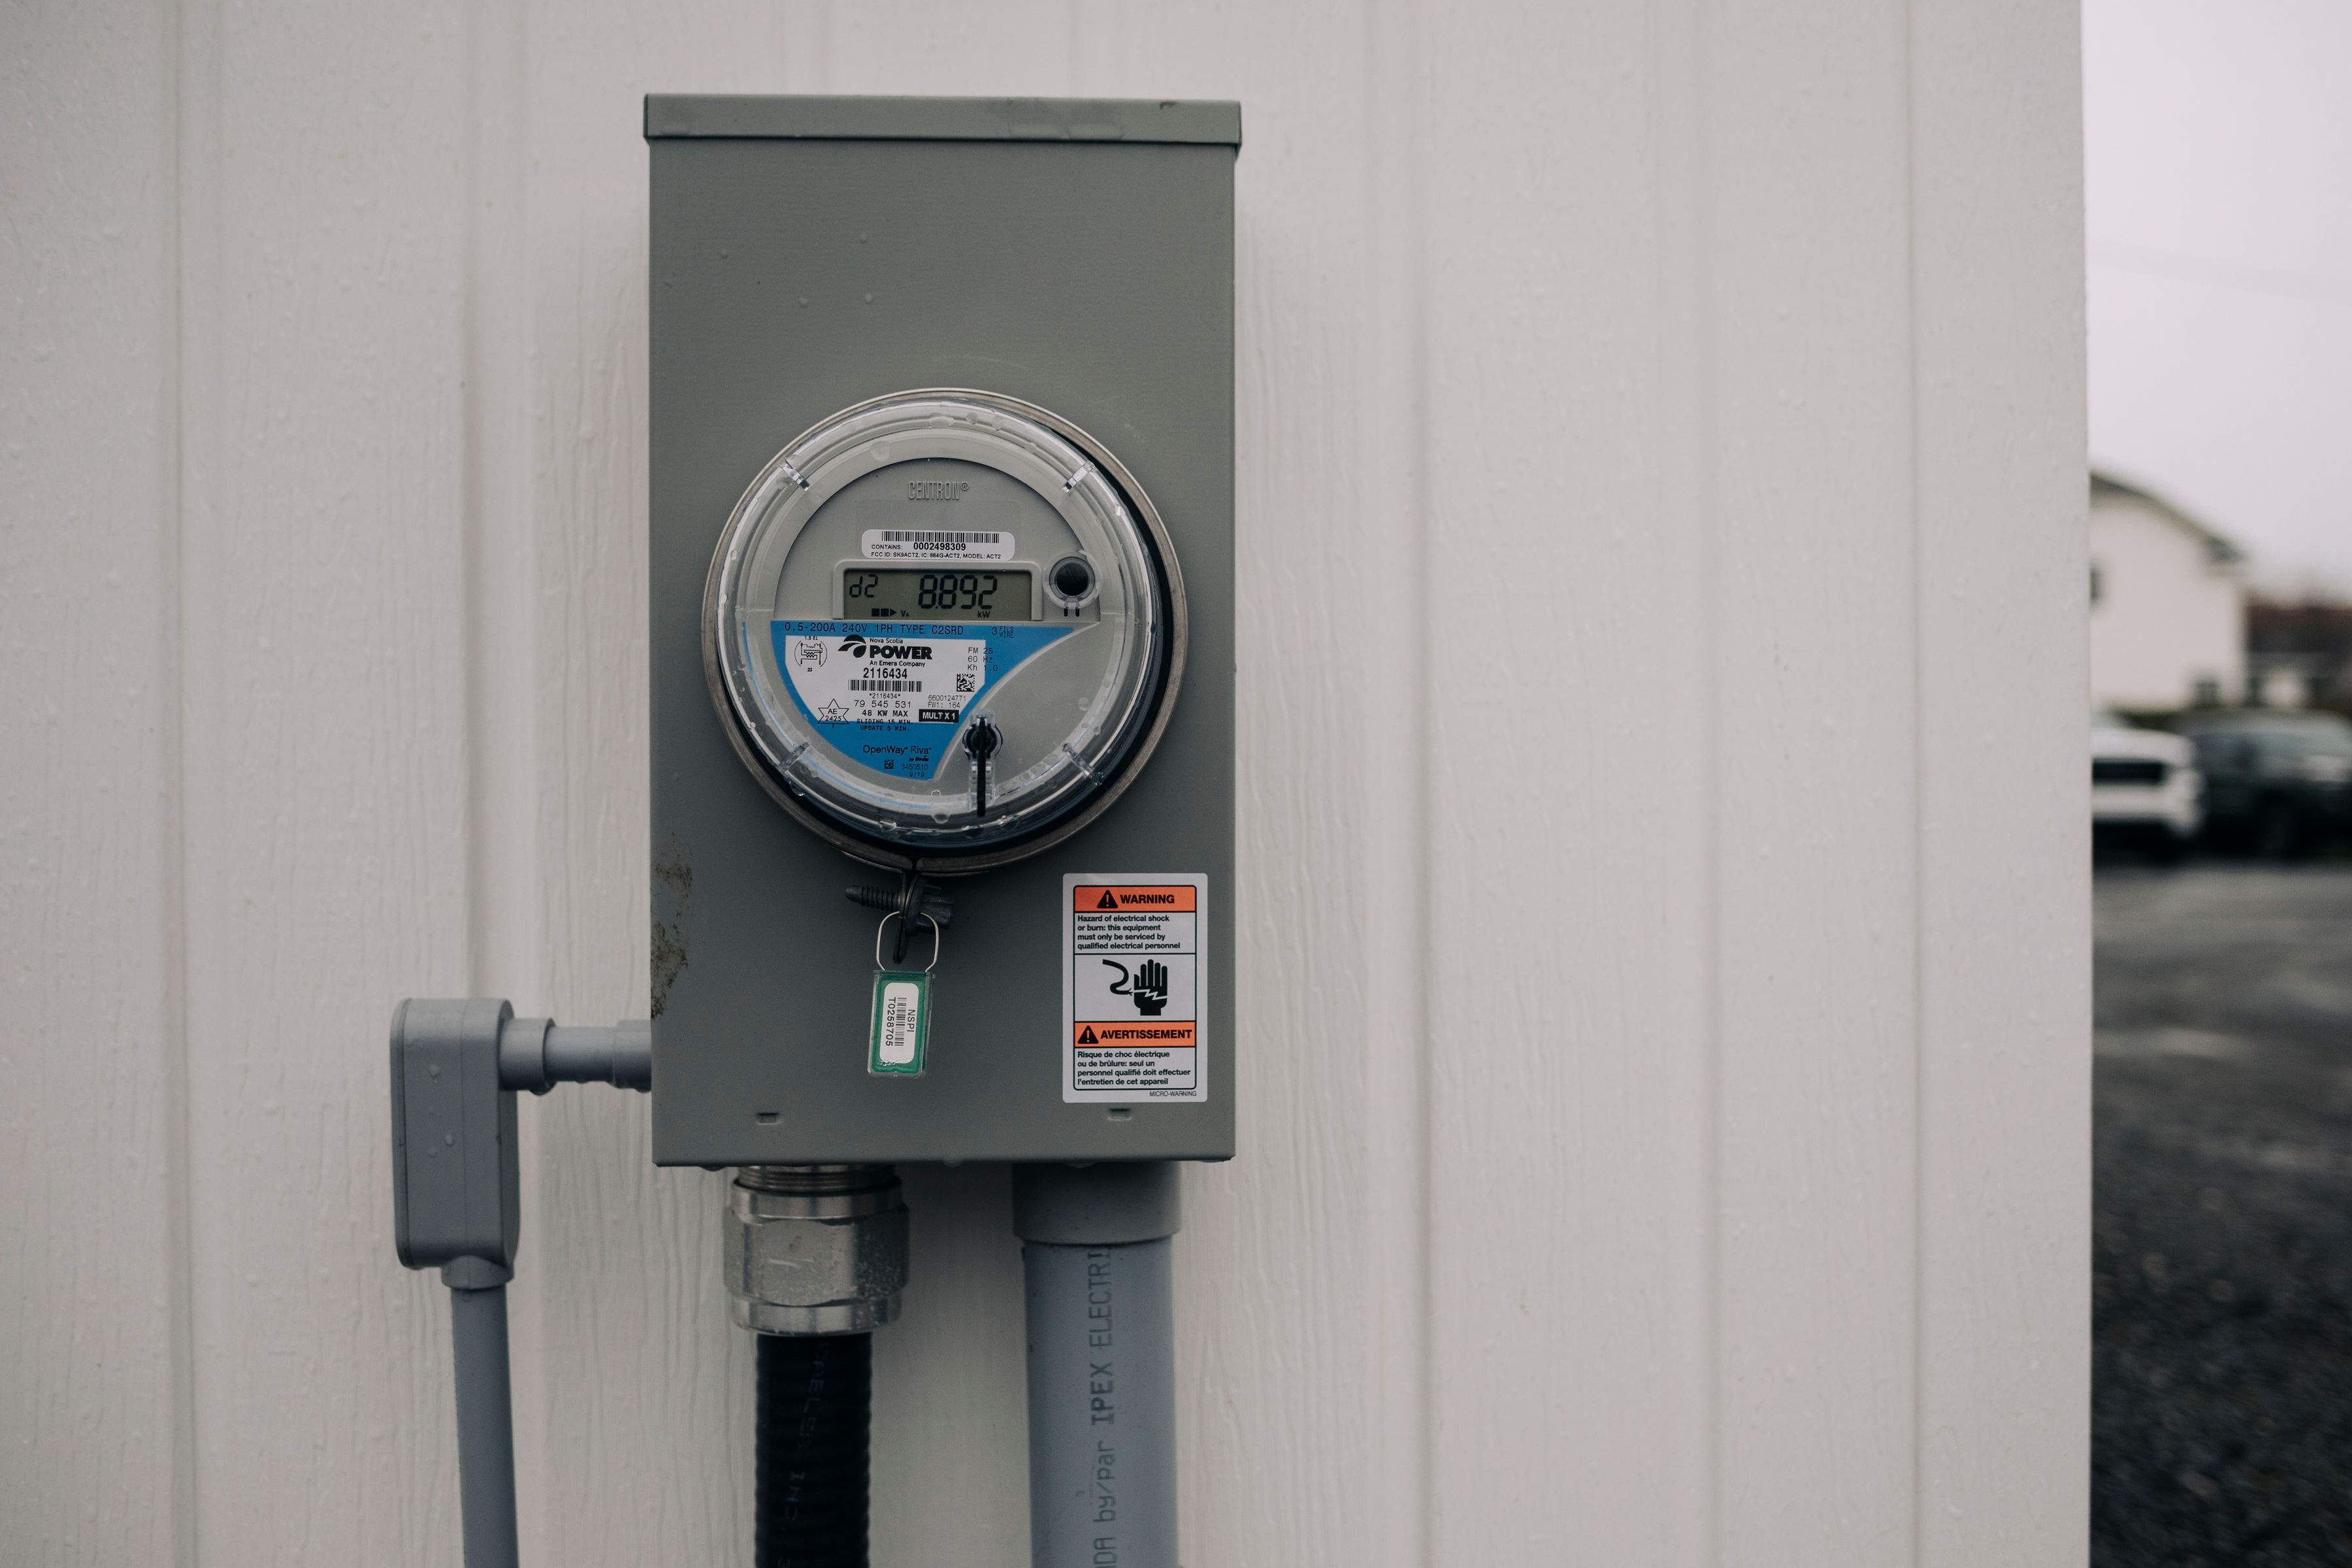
(900, 956)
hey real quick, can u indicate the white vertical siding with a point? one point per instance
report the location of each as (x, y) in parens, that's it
(1815, 545)
(322, 693)
(2001, 1429)
(1566, 818)
(1665, 975)
(94, 1444)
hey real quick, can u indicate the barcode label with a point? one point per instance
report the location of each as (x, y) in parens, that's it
(862, 685)
(937, 545)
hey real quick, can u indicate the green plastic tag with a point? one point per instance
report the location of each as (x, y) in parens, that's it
(902, 1022)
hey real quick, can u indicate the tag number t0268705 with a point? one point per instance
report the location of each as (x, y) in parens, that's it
(902, 1022)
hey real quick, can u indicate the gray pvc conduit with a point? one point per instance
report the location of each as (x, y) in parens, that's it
(1102, 1363)
(486, 1486)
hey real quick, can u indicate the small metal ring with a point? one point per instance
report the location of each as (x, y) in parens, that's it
(927, 919)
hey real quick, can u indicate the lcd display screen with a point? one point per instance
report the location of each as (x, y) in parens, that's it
(934, 593)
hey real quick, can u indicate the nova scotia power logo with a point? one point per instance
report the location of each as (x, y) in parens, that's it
(855, 646)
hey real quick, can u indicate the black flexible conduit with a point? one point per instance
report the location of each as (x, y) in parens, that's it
(815, 1411)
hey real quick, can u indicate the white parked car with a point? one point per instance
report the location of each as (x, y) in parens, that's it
(2146, 791)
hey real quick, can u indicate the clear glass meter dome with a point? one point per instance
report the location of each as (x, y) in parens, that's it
(944, 628)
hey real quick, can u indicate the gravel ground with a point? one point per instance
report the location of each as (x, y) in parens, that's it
(2222, 1366)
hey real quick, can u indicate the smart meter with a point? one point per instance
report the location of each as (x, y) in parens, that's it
(944, 629)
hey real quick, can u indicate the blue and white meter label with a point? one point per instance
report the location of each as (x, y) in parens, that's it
(1134, 945)
(892, 699)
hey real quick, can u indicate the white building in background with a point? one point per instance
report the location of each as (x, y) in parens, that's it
(2168, 604)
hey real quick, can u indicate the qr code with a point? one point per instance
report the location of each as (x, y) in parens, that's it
(963, 683)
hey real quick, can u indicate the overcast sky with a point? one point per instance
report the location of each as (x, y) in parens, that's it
(2218, 138)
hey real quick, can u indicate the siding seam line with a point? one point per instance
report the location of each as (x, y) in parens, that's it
(188, 36)
(1919, 825)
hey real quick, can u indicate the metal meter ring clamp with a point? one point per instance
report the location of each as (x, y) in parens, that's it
(1008, 786)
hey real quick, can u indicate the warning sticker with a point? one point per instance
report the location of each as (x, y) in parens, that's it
(1132, 945)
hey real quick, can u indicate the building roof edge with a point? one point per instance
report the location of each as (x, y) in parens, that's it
(2224, 549)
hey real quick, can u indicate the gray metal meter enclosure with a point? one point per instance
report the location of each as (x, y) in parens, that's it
(1000, 326)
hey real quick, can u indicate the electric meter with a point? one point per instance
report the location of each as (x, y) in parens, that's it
(944, 629)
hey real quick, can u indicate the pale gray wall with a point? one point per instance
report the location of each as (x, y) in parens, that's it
(1664, 986)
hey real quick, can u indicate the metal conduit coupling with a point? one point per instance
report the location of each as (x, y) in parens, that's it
(814, 1249)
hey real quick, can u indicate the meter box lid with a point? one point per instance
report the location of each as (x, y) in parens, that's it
(844, 118)
(940, 554)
